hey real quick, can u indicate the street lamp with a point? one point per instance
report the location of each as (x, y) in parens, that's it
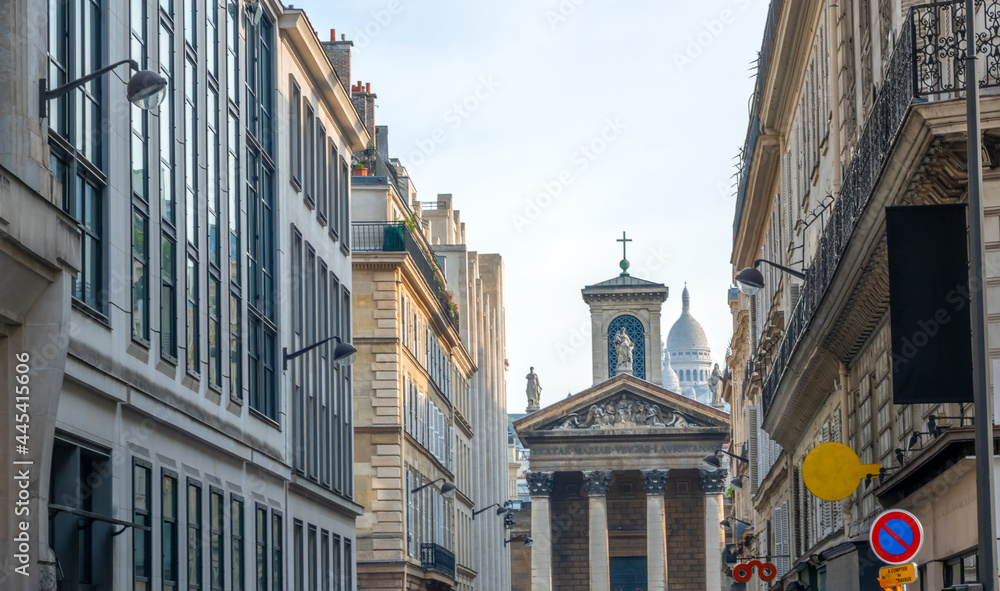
(711, 462)
(343, 353)
(447, 489)
(737, 482)
(145, 89)
(751, 280)
(527, 540)
(727, 523)
(501, 509)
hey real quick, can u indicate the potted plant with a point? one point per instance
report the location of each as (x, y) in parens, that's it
(359, 170)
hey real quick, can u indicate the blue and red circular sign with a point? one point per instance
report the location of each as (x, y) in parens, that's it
(896, 536)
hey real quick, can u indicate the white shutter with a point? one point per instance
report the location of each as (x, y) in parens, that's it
(752, 444)
(800, 514)
(827, 507)
(786, 547)
(776, 527)
(838, 506)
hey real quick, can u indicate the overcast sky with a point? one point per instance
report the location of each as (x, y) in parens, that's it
(558, 124)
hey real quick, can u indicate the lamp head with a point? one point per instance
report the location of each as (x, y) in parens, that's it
(750, 281)
(725, 524)
(448, 490)
(899, 457)
(501, 510)
(344, 353)
(528, 541)
(914, 438)
(146, 89)
(711, 463)
(737, 483)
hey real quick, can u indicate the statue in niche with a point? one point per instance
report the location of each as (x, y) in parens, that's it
(624, 347)
(534, 390)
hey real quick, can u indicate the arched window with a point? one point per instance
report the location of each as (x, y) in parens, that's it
(637, 334)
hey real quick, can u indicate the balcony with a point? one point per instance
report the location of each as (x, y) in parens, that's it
(755, 128)
(434, 557)
(396, 237)
(927, 66)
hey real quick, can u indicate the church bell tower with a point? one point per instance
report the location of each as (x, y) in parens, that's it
(633, 304)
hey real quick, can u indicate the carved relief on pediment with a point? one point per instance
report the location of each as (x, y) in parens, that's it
(623, 411)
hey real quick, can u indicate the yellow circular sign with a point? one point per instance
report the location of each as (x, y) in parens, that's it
(832, 471)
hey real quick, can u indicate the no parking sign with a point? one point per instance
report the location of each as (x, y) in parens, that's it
(896, 536)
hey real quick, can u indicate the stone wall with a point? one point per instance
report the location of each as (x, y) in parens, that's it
(570, 539)
(520, 555)
(685, 509)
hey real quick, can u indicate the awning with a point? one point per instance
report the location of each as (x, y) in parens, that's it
(90, 518)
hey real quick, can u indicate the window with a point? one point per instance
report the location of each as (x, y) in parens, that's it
(299, 556)
(334, 188)
(82, 551)
(295, 133)
(309, 163)
(168, 215)
(261, 546)
(216, 503)
(325, 553)
(347, 432)
(232, 51)
(235, 289)
(262, 246)
(961, 569)
(83, 200)
(312, 559)
(142, 509)
(168, 530)
(338, 581)
(636, 332)
(345, 207)
(194, 548)
(140, 188)
(277, 554)
(322, 182)
(193, 358)
(236, 531)
(214, 191)
(348, 565)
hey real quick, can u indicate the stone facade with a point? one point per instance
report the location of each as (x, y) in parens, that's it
(627, 499)
(803, 204)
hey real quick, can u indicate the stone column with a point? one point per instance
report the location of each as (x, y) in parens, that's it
(540, 487)
(712, 484)
(656, 535)
(597, 482)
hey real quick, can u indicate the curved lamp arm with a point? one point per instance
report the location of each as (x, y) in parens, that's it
(791, 272)
(45, 95)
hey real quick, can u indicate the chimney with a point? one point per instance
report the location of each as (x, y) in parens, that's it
(339, 54)
(364, 101)
(382, 141)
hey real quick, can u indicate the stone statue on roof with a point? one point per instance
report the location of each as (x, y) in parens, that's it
(623, 346)
(534, 390)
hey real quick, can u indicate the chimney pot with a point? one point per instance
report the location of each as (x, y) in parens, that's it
(343, 37)
(333, 34)
(368, 87)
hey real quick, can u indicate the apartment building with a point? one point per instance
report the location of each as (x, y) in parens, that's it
(857, 106)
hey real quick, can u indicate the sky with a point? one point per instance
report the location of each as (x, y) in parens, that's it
(557, 125)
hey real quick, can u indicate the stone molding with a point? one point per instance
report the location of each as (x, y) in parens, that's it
(597, 482)
(713, 482)
(624, 410)
(656, 481)
(539, 483)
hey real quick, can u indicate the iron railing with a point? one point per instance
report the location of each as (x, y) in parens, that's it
(754, 130)
(396, 237)
(439, 558)
(926, 61)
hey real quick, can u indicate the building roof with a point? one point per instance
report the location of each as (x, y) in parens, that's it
(624, 281)
(686, 334)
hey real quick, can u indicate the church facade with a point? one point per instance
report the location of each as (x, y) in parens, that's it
(619, 495)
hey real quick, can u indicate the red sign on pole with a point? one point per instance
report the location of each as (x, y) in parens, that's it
(896, 536)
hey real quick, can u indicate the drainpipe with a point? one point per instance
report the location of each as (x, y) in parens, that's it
(833, 21)
(845, 397)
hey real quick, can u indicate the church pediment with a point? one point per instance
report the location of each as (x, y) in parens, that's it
(623, 402)
(624, 410)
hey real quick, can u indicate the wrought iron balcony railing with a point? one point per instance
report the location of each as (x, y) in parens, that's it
(754, 128)
(396, 237)
(927, 64)
(439, 558)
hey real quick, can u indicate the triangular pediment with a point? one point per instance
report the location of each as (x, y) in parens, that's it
(623, 402)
